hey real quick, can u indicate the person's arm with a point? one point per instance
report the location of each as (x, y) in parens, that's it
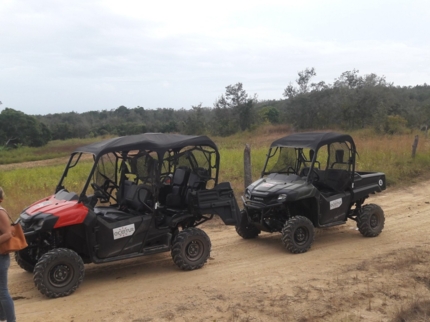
(5, 229)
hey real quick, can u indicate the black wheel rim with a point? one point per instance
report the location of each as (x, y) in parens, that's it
(61, 275)
(195, 250)
(301, 235)
(374, 221)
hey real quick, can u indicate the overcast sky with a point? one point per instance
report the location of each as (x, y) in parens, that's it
(61, 56)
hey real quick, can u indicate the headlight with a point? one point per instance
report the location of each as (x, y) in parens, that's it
(247, 194)
(282, 196)
(38, 224)
(24, 216)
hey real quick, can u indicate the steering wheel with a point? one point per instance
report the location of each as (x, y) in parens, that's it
(109, 183)
(108, 186)
(100, 192)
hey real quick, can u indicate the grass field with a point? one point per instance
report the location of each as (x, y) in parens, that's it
(39, 170)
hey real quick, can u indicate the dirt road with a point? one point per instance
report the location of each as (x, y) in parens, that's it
(344, 277)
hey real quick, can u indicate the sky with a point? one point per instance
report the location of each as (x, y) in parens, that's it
(59, 56)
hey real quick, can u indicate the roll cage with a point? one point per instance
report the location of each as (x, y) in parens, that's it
(150, 159)
(301, 153)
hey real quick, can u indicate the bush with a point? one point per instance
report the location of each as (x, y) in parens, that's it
(395, 124)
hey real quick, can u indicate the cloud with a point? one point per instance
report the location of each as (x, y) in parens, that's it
(88, 55)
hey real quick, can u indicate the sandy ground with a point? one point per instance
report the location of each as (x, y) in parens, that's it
(344, 276)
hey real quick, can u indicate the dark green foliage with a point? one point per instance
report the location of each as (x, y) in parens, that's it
(234, 111)
(395, 124)
(270, 114)
(354, 102)
(351, 102)
(120, 121)
(195, 123)
(126, 128)
(24, 129)
(223, 123)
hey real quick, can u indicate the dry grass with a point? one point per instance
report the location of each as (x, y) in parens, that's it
(29, 181)
(391, 154)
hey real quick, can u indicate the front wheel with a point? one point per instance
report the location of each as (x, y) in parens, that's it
(298, 234)
(59, 272)
(191, 249)
(370, 220)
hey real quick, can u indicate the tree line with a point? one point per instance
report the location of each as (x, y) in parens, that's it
(352, 101)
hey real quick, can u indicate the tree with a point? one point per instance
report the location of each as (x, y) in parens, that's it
(269, 114)
(349, 79)
(61, 131)
(290, 91)
(304, 78)
(195, 123)
(25, 128)
(223, 122)
(236, 104)
(169, 127)
(303, 83)
(236, 95)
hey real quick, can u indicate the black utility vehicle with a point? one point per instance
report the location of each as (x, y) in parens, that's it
(309, 180)
(138, 195)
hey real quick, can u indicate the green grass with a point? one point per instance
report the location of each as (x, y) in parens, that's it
(54, 149)
(24, 186)
(231, 167)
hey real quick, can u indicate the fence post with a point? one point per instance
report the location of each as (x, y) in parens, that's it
(414, 146)
(247, 165)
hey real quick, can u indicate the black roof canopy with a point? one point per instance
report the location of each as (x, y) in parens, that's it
(312, 140)
(158, 142)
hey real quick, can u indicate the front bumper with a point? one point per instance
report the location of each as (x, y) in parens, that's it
(252, 204)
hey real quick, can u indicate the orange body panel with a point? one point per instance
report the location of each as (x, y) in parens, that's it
(68, 212)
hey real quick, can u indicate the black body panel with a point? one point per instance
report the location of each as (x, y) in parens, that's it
(310, 175)
(217, 201)
(366, 183)
(334, 208)
(119, 233)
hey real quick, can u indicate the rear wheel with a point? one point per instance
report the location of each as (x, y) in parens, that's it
(245, 229)
(191, 249)
(370, 220)
(298, 234)
(59, 272)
